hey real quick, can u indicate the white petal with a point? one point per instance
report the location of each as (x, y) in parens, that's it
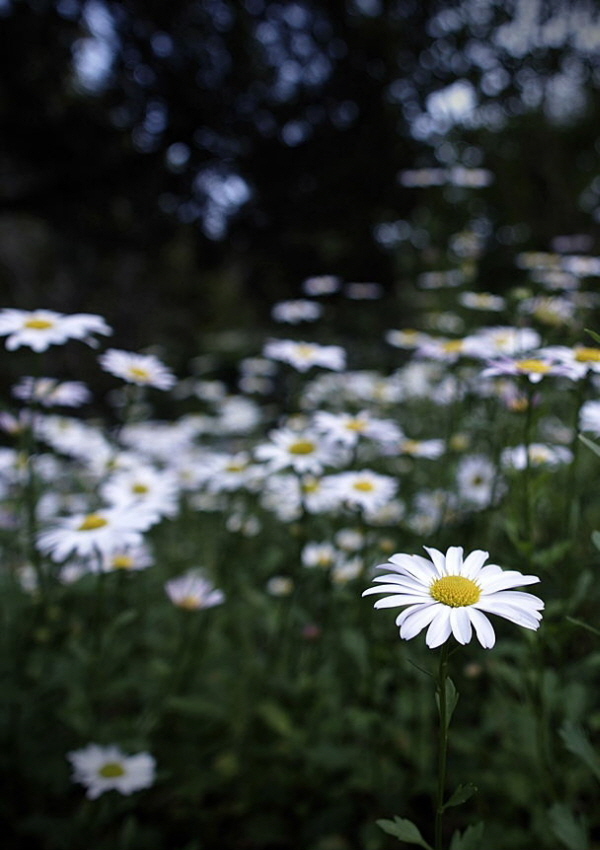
(415, 565)
(527, 619)
(473, 563)
(461, 624)
(483, 628)
(440, 629)
(400, 599)
(454, 559)
(438, 560)
(415, 619)
(506, 580)
(395, 588)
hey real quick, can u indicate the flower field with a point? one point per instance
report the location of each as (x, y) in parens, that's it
(197, 571)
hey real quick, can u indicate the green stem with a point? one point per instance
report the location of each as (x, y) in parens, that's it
(527, 507)
(442, 743)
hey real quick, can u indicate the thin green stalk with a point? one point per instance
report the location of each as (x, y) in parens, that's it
(527, 506)
(442, 743)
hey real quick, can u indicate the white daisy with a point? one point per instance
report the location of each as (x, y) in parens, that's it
(142, 486)
(49, 392)
(347, 428)
(39, 329)
(303, 355)
(107, 768)
(299, 310)
(451, 595)
(303, 451)
(95, 533)
(193, 591)
(540, 454)
(364, 489)
(142, 369)
(476, 479)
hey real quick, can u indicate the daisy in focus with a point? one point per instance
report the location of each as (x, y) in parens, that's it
(38, 329)
(145, 370)
(103, 769)
(451, 595)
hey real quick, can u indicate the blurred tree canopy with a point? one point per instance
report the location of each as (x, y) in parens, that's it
(163, 162)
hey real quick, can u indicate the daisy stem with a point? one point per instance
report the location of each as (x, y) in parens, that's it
(527, 507)
(442, 743)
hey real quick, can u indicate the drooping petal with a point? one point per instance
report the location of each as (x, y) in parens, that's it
(398, 599)
(461, 624)
(440, 628)
(415, 619)
(415, 565)
(506, 580)
(527, 619)
(406, 582)
(483, 628)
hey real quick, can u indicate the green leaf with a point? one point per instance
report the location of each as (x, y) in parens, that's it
(469, 840)
(596, 539)
(593, 334)
(583, 625)
(577, 742)
(461, 795)
(404, 830)
(570, 830)
(451, 699)
(591, 445)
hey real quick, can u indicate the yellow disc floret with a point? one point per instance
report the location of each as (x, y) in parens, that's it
(541, 367)
(302, 447)
(587, 355)
(455, 591)
(39, 324)
(139, 373)
(92, 522)
(111, 769)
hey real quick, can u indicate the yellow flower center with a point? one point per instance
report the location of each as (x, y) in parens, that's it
(302, 447)
(455, 591)
(411, 446)
(189, 602)
(587, 355)
(111, 770)
(363, 485)
(310, 486)
(140, 489)
(235, 467)
(139, 373)
(453, 346)
(92, 522)
(532, 365)
(356, 425)
(306, 351)
(39, 324)
(122, 562)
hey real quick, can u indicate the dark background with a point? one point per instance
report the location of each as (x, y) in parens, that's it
(179, 166)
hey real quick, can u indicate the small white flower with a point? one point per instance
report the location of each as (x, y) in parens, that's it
(300, 310)
(38, 329)
(142, 369)
(364, 489)
(303, 451)
(193, 591)
(49, 392)
(451, 595)
(103, 769)
(303, 355)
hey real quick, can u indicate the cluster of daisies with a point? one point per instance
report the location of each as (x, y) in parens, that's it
(348, 451)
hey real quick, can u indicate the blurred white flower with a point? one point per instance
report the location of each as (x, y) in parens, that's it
(38, 329)
(107, 768)
(49, 392)
(141, 369)
(95, 533)
(293, 312)
(303, 355)
(193, 591)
